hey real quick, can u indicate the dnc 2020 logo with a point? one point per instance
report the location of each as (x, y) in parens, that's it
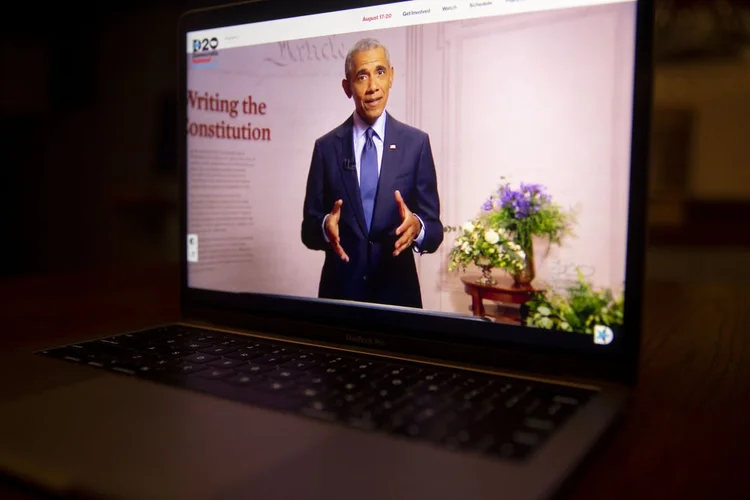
(205, 53)
(205, 44)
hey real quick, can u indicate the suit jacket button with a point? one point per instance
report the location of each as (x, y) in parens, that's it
(370, 242)
(364, 278)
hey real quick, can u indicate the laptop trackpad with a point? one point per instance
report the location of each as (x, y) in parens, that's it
(124, 437)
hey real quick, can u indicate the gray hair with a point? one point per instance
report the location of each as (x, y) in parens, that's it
(361, 46)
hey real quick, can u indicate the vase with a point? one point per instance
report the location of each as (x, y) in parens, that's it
(525, 276)
(486, 278)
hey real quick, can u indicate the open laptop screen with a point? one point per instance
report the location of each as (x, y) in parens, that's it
(487, 143)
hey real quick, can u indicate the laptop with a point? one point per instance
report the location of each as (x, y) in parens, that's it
(412, 242)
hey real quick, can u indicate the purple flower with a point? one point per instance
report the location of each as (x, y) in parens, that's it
(525, 201)
(508, 198)
(487, 205)
(523, 209)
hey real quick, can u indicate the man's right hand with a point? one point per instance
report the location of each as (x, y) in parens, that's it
(332, 230)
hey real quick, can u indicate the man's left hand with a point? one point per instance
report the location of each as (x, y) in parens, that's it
(409, 228)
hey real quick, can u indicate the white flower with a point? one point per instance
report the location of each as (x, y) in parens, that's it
(522, 254)
(468, 227)
(491, 237)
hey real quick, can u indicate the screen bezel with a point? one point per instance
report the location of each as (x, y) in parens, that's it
(431, 335)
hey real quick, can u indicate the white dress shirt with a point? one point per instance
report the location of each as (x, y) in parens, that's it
(359, 137)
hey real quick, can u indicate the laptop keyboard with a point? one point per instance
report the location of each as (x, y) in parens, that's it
(501, 416)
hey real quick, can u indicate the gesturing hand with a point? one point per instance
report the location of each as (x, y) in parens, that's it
(332, 230)
(409, 228)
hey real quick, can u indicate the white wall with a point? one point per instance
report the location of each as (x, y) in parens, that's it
(536, 98)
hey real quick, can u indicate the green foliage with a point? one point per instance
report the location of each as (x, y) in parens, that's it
(578, 310)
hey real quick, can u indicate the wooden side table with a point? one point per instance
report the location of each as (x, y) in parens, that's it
(504, 292)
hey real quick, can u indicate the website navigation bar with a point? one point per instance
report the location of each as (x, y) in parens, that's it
(392, 15)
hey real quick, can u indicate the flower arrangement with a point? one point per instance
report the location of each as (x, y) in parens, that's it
(515, 216)
(487, 246)
(527, 212)
(578, 309)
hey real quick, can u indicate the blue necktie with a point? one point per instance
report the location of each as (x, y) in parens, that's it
(368, 176)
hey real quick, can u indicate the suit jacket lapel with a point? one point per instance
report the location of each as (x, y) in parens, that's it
(389, 171)
(346, 161)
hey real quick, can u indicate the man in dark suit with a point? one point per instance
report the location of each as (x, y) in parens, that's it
(371, 199)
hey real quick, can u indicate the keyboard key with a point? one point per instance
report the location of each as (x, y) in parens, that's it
(270, 360)
(209, 339)
(215, 373)
(200, 357)
(282, 351)
(254, 369)
(309, 356)
(241, 379)
(539, 424)
(404, 371)
(164, 364)
(218, 350)
(154, 349)
(285, 374)
(565, 400)
(186, 368)
(434, 377)
(295, 364)
(245, 354)
(195, 346)
(526, 438)
(275, 386)
(234, 342)
(364, 365)
(226, 363)
(129, 340)
(333, 370)
(174, 353)
(312, 381)
(140, 357)
(333, 359)
(307, 392)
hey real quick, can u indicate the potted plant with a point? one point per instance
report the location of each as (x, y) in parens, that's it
(511, 218)
(528, 212)
(485, 244)
(579, 309)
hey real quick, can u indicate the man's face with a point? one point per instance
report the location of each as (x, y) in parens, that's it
(369, 83)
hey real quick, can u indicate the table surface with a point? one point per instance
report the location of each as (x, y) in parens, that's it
(504, 284)
(686, 431)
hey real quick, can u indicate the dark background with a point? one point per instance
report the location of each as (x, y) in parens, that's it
(89, 178)
(88, 95)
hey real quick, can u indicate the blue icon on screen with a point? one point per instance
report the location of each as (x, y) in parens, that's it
(603, 335)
